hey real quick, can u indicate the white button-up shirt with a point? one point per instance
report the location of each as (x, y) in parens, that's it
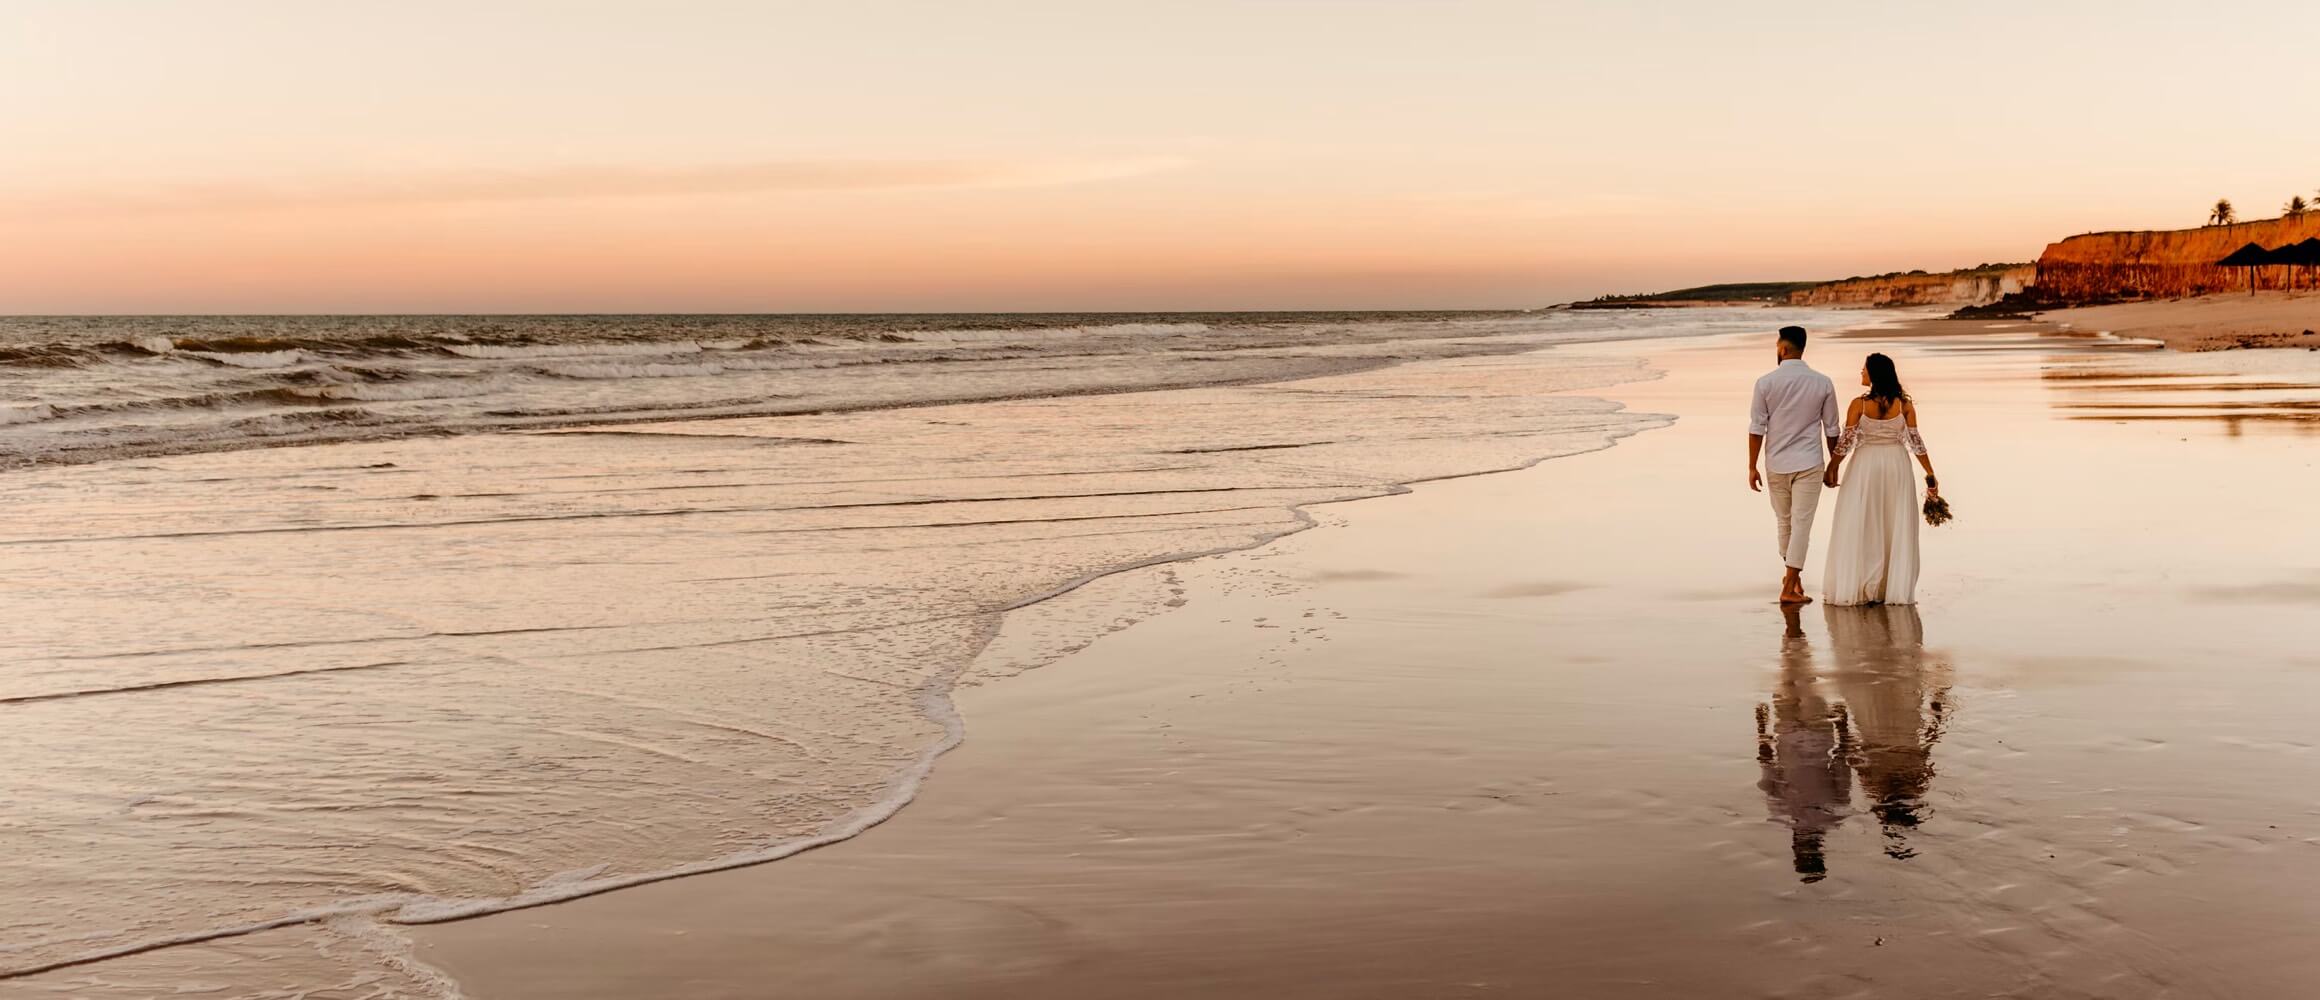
(1795, 408)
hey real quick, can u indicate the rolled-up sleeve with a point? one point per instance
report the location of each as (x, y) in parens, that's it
(1759, 411)
(1830, 425)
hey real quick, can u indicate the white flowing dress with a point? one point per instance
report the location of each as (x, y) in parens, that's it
(1873, 548)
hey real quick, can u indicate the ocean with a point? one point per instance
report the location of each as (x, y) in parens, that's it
(546, 606)
(84, 389)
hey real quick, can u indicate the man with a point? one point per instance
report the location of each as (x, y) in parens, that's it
(1792, 422)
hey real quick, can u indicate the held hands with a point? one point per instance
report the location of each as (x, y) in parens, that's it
(1829, 478)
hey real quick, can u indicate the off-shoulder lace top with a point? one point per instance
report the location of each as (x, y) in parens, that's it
(1880, 430)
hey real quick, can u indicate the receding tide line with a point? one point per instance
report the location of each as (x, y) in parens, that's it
(934, 698)
(192, 682)
(935, 701)
(670, 512)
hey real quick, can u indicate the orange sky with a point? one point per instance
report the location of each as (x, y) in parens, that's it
(868, 156)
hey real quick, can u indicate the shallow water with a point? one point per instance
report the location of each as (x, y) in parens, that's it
(454, 671)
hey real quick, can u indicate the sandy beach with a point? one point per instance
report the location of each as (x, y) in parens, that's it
(2206, 323)
(1530, 730)
(1540, 733)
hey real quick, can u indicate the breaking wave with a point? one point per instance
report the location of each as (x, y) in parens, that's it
(26, 414)
(85, 389)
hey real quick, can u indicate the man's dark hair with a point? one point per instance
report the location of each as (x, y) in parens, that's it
(1793, 336)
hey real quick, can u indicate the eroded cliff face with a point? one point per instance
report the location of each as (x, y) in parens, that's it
(1949, 288)
(2165, 263)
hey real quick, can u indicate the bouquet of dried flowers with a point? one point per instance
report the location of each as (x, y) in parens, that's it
(1936, 509)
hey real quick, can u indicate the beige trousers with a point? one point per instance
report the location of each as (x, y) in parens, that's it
(1795, 495)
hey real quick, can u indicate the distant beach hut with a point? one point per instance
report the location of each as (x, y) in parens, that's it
(2251, 256)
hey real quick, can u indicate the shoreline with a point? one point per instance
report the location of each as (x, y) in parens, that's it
(936, 696)
(2223, 322)
(981, 667)
(2269, 320)
(932, 693)
(994, 793)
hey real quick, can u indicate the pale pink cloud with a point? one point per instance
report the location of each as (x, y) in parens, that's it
(579, 182)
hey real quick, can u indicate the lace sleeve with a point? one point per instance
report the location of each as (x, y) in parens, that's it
(1847, 440)
(1916, 444)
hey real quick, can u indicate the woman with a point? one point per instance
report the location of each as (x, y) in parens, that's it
(1873, 549)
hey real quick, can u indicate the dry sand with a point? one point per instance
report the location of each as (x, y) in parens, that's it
(1542, 734)
(2208, 323)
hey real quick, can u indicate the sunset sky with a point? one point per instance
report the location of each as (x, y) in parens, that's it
(1092, 155)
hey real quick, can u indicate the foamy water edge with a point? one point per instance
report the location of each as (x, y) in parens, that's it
(935, 702)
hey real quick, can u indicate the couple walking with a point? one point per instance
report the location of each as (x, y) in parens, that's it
(1873, 546)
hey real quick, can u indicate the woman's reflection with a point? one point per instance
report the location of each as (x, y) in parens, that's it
(1892, 702)
(1899, 701)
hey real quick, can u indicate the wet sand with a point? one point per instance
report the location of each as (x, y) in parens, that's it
(1540, 733)
(317, 691)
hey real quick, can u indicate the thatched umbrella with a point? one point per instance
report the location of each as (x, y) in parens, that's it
(2305, 255)
(2251, 256)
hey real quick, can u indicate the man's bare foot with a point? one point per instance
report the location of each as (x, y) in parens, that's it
(1792, 589)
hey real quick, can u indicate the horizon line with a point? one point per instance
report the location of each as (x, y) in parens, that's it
(868, 312)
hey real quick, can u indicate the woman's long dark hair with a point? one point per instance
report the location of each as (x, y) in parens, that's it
(1884, 382)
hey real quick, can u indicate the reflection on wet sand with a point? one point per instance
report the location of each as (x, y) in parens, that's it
(2277, 392)
(1899, 701)
(1802, 743)
(1892, 701)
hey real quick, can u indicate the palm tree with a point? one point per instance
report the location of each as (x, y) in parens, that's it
(2222, 214)
(2296, 207)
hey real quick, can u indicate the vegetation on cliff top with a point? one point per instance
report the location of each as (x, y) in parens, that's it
(1769, 291)
(2222, 214)
(1960, 272)
(1736, 291)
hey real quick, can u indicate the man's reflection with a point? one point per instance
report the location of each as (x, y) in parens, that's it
(1893, 701)
(1802, 743)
